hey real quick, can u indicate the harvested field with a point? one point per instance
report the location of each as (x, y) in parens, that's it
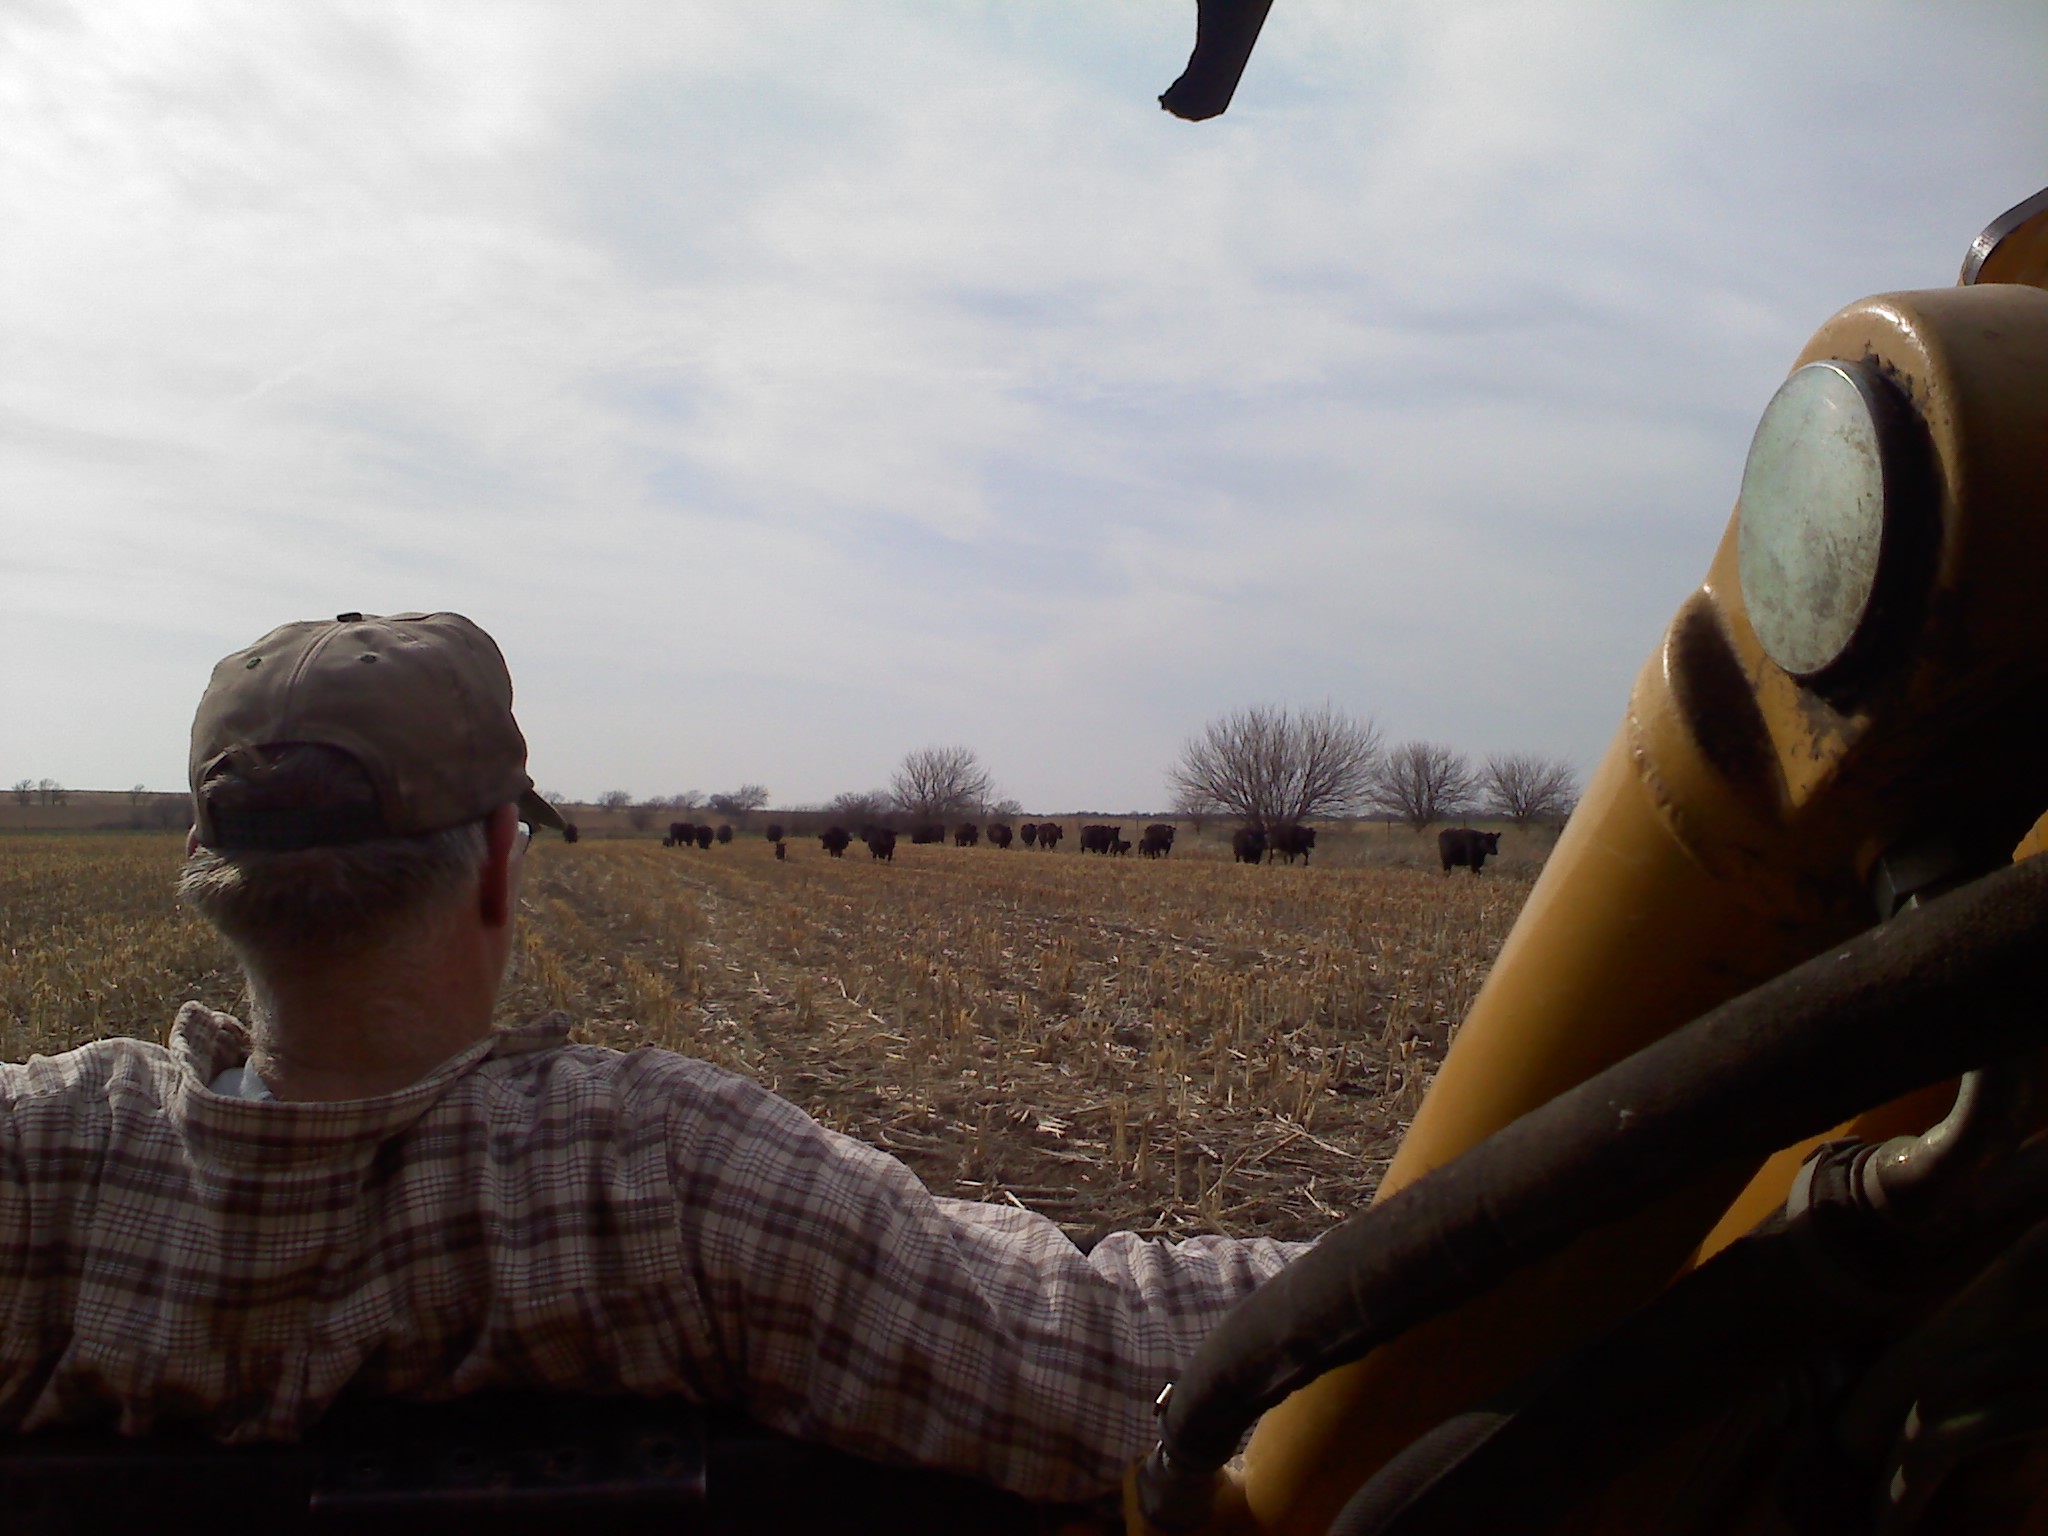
(1181, 1046)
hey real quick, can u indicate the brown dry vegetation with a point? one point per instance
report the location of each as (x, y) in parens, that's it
(1181, 1046)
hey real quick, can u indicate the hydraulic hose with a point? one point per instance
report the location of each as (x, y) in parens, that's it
(1225, 32)
(1833, 1280)
(1933, 993)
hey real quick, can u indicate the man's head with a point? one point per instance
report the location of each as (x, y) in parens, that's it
(345, 775)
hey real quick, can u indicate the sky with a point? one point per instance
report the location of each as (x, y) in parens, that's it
(787, 387)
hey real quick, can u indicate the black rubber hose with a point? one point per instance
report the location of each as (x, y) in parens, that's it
(1934, 992)
(1225, 31)
(1771, 1300)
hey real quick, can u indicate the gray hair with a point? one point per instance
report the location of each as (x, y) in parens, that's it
(273, 901)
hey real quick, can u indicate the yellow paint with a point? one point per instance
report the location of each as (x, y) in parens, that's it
(1732, 830)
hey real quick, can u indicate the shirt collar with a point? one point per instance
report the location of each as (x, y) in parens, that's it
(204, 1043)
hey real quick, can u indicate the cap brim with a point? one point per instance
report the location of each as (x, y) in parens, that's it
(537, 811)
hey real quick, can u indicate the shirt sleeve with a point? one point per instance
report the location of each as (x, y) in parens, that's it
(853, 1307)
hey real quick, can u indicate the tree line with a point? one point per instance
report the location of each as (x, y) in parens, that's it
(1273, 766)
(40, 792)
(1269, 766)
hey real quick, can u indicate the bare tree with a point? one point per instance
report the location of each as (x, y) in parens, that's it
(1420, 782)
(860, 807)
(641, 816)
(741, 803)
(1275, 766)
(52, 792)
(1193, 807)
(615, 799)
(1525, 789)
(688, 800)
(24, 791)
(935, 782)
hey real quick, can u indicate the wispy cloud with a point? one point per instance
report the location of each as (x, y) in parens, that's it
(788, 386)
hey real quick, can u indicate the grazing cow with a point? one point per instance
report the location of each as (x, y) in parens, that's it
(1291, 842)
(1049, 835)
(704, 835)
(680, 835)
(774, 831)
(1120, 846)
(1157, 842)
(724, 833)
(966, 835)
(1248, 844)
(668, 842)
(999, 834)
(881, 843)
(781, 849)
(569, 833)
(836, 840)
(1029, 833)
(1467, 846)
(927, 834)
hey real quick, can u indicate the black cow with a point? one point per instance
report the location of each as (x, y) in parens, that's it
(1291, 842)
(1099, 837)
(781, 849)
(1467, 846)
(1120, 846)
(774, 831)
(569, 833)
(724, 833)
(836, 840)
(927, 834)
(1049, 835)
(1157, 842)
(1248, 844)
(999, 834)
(704, 836)
(881, 843)
(1029, 833)
(680, 835)
(966, 835)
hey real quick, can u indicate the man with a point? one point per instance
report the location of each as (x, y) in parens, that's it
(367, 1188)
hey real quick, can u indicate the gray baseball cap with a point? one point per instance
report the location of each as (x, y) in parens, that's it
(423, 701)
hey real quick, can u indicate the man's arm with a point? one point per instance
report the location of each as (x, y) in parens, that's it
(855, 1308)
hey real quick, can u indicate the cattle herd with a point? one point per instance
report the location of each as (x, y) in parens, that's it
(1457, 847)
(682, 834)
(1250, 845)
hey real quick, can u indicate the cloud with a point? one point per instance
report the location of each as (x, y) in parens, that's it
(791, 385)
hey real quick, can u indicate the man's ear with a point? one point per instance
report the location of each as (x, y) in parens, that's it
(191, 841)
(494, 883)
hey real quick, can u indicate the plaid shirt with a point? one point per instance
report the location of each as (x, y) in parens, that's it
(545, 1215)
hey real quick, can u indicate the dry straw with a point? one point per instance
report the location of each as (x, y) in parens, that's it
(1188, 1045)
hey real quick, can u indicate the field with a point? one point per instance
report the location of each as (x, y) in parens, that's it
(1175, 1046)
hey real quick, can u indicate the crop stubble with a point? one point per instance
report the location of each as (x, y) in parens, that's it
(1181, 1046)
